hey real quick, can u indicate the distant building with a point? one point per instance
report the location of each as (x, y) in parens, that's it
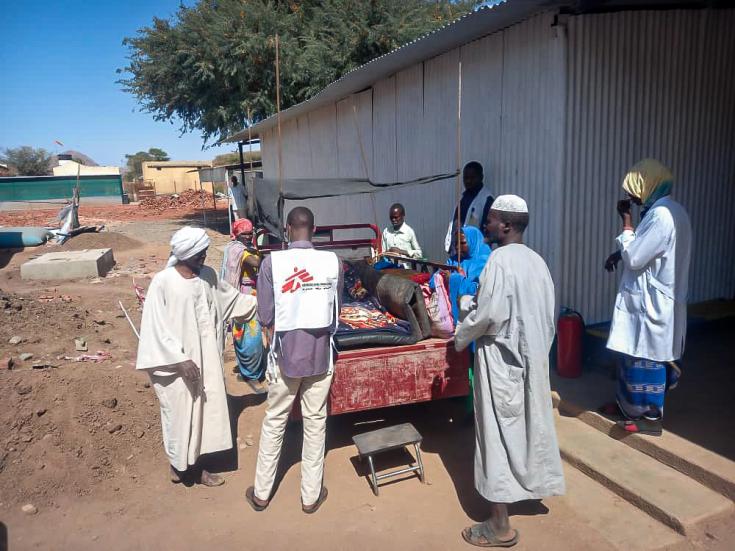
(68, 167)
(173, 176)
(4, 170)
(42, 192)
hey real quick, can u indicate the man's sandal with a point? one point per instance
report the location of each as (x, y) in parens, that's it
(311, 509)
(251, 499)
(210, 480)
(481, 535)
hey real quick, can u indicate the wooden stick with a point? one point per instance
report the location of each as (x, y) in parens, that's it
(132, 325)
(364, 161)
(278, 121)
(459, 158)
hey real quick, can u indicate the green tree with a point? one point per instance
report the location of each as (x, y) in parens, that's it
(234, 158)
(213, 63)
(27, 161)
(158, 154)
(135, 161)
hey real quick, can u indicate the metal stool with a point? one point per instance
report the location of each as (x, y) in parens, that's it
(386, 439)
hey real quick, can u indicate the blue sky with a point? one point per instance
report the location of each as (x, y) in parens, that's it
(58, 62)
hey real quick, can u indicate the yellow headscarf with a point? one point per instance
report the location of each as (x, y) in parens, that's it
(644, 181)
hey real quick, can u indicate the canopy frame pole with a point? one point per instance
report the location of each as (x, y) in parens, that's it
(242, 165)
(280, 144)
(459, 159)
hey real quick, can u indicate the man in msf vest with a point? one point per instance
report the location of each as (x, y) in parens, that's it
(298, 305)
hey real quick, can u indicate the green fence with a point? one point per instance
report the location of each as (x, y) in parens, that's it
(42, 188)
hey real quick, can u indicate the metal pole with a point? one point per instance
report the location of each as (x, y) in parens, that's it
(242, 161)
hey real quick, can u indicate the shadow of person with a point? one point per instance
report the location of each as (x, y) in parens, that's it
(447, 434)
(228, 460)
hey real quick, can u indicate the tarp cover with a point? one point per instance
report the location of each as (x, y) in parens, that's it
(270, 193)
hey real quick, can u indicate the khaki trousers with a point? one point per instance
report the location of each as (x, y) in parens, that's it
(281, 394)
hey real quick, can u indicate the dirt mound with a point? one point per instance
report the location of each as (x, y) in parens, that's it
(77, 424)
(186, 200)
(102, 240)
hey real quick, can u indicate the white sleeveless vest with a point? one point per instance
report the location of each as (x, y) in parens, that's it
(305, 289)
(474, 215)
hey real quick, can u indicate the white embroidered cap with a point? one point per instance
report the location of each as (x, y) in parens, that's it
(509, 203)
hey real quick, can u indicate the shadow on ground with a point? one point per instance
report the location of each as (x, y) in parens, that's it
(443, 425)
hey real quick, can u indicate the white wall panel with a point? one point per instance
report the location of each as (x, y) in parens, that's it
(649, 84)
(531, 133)
(410, 145)
(354, 125)
(384, 130)
(269, 151)
(323, 141)
(441, 79)
(482, 87)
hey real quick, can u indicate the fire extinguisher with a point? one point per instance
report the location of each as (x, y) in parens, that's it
(569, 334)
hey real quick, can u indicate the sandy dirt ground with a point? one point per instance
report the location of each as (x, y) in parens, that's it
(81, 440)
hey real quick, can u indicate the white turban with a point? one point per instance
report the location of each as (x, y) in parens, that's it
(509, 203)
(187, 242)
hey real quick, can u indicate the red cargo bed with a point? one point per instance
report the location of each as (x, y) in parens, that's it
(371, 378)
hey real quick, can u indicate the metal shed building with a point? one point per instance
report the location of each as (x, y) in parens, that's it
(557, 102)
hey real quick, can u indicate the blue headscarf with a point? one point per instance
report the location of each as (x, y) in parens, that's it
(472, 264)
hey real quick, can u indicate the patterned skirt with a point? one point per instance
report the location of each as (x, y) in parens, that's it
(642, 386)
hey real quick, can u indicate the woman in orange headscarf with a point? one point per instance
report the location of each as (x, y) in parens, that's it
(240, 269)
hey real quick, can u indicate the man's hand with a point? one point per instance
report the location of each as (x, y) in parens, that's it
(611, 264)
(190, 372)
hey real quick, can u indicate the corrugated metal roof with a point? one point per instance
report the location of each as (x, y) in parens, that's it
(484, 20)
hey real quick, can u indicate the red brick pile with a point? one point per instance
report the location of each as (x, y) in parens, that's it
(186, 200)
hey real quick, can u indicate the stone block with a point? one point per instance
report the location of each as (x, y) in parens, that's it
(69, 265)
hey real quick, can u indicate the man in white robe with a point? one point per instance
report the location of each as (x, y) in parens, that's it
(181, 346)
(512, 323)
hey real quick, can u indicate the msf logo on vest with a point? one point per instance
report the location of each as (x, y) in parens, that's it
(302, 279)
(295, 281)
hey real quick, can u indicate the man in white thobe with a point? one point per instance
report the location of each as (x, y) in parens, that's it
(512, 323)
(181, 346)
(238, 198)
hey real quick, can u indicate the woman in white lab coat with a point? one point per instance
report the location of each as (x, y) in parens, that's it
(650, 317)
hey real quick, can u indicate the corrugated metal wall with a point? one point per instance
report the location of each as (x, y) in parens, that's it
(649, 84)
(512, 86)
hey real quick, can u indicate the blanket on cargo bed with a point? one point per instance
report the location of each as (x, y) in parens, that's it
(364, 321)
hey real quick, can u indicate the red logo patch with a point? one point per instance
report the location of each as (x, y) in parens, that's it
(293, 282)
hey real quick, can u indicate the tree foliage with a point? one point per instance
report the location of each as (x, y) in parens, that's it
(215, 62)
(135, 161)
(233, 158)
(27, 161)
